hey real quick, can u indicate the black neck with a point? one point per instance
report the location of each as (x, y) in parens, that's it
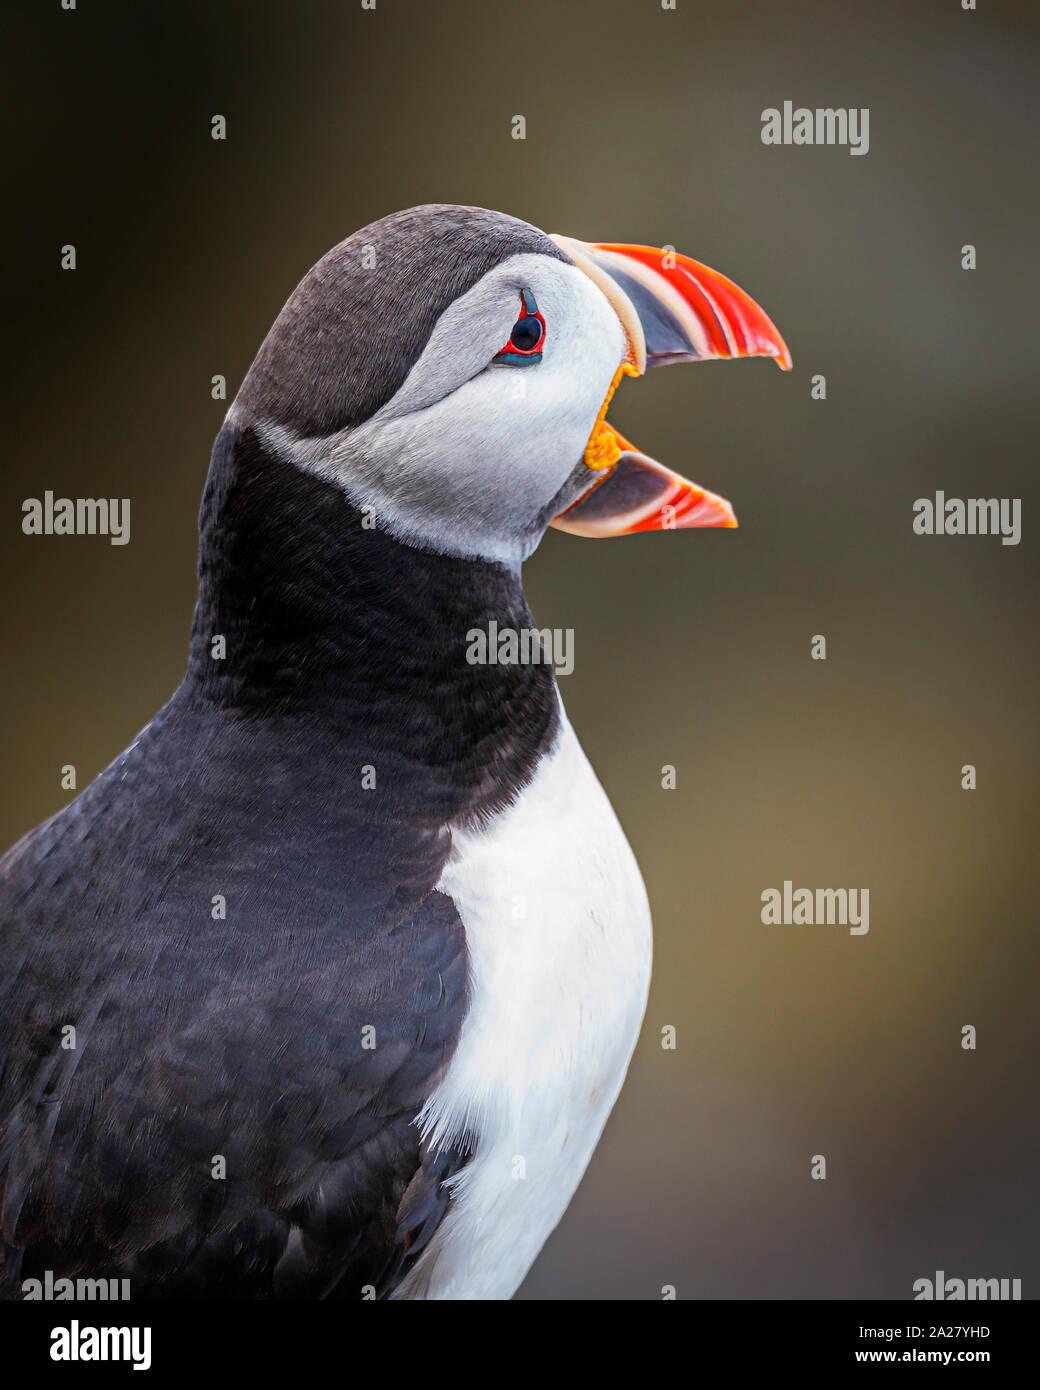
(357, 640)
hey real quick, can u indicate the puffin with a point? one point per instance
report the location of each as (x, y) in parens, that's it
(327, 985)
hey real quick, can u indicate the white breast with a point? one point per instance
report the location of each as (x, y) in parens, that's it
(558, 933)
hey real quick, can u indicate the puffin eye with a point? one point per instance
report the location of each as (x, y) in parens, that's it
(527, 338)
(526, 334)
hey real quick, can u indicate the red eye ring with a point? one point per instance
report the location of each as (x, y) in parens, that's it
(527, 338)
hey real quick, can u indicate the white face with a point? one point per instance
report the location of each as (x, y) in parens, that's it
(469, 453)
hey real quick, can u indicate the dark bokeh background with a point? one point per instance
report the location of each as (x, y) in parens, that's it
(692, 648)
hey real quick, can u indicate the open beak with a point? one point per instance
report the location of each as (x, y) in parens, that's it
(672, 309)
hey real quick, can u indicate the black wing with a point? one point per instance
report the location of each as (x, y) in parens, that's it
(234, 1113)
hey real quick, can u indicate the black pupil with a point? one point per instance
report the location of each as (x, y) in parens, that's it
(526, 332)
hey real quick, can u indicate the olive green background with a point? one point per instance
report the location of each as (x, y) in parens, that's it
(692, 648)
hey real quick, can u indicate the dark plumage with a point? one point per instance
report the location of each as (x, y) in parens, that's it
(242, 1037)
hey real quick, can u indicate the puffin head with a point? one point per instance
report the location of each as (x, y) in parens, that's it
(449, 370)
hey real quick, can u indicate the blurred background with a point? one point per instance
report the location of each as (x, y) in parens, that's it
(692, 649)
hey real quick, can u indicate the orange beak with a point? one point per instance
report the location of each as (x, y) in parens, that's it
(672, 309)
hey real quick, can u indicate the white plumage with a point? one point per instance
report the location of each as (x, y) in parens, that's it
(559, 938)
